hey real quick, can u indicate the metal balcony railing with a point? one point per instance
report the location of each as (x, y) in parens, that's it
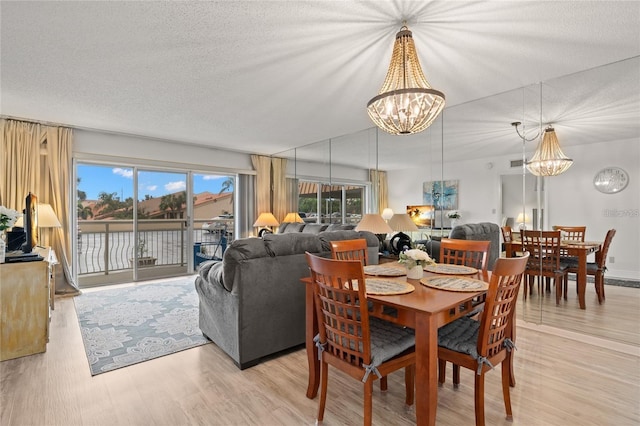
(106, 246)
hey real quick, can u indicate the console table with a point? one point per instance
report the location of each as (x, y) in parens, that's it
(25, 305)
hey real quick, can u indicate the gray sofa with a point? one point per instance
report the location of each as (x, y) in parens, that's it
(252, 303)
(484, 231)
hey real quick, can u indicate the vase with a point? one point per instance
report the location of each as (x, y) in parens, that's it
(454, 222)
(414, 273)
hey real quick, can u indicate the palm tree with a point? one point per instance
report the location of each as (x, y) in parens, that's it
(227, 185)
(84, 212)
(108, 201)
(173, 203)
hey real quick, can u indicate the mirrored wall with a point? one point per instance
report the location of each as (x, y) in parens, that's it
(595, 114)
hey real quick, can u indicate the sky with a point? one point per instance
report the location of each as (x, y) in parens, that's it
(95, 179)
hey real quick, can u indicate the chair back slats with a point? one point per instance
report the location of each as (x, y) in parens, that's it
(341, 308)
(507, 235)
(501, 297)
(350, 250)
(572, 233)
(474, 254)
(544, 249)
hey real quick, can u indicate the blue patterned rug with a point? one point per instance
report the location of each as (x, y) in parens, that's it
(125, 326)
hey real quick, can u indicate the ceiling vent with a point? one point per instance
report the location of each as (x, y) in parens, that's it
(516, 163)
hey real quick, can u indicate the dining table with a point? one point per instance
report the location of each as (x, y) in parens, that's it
(578, 249)
(424, 309)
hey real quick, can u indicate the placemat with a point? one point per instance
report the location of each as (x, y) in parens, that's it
(455, 283)
(385, 270)
(381, 286)
(440, 268)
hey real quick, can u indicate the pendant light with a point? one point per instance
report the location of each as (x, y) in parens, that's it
(549, 160)
(406, 103)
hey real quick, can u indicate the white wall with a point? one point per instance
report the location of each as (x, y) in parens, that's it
(571, 197)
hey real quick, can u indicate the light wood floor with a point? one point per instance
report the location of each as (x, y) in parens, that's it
(560, 381)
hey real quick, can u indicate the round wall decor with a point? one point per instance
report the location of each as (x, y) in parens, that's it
(611, 180)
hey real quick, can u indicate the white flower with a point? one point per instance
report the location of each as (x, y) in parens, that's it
(414, 257)
(8, 217)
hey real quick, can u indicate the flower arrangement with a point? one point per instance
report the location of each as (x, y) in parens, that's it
(8, 218)
(454, 214)
(414, 257)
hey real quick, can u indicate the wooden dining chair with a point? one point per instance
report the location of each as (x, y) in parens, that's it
(596, 269)
(544, 261)
(363, 347)
(570, 233)
(507, 237)
(481, 345)
(350, 250)
(470, 253)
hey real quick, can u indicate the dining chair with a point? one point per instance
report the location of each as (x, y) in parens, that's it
(481, 345)
(350, 250)
(363, 347)
(544, 261)
(570, 233)
(470, 253)
(507, 236)
(596, 269)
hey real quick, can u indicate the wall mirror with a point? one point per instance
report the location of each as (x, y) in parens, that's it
(588, 109)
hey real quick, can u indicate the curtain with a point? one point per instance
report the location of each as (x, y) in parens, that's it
(262, 165)
(380, 198)
(280, 203)
(37, 158)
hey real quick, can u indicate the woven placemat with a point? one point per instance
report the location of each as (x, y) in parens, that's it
(441, 268)
(380, 286)
(385, 270)
(455, 283)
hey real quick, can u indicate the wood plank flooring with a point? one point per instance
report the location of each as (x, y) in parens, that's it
(560, 381)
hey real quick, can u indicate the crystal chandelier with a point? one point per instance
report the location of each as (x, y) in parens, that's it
(549, 160)
(406, 103)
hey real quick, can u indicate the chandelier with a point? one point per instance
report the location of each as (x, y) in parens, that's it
(406, 103)
(549, 160)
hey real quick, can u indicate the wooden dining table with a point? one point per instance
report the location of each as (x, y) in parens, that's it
(573, 248)
(425, 309)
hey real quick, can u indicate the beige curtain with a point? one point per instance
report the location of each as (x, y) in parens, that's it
(380, 190)
(262, 165)
(37, 158)
(281, 197)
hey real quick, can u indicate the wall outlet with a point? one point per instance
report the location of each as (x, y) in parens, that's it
(612, 259)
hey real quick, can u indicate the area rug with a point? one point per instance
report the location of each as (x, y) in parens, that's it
(129, 325)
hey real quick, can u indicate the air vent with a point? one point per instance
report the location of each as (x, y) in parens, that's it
(516, 163)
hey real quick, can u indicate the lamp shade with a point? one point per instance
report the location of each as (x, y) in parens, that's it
(549, 160)
(46, 218)
(373, 223)
(402, 222)
(266, 219)
(523, 218)
(387, 213)
(406, 103)
(292, 217)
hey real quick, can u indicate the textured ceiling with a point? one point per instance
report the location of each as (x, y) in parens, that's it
(267, 76)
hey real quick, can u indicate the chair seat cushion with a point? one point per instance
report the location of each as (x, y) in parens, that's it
(572, 263)
(388, 340)
(461, 336)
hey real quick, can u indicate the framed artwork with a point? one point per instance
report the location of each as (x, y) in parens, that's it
(422, 216)
(443, 195)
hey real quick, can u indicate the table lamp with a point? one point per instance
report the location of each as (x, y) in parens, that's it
(387, 214)
(523, 219)
(46, 219)
(373, 222)
(293, 217)
(266, 220)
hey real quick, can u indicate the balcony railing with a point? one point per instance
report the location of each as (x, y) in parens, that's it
(106, 246)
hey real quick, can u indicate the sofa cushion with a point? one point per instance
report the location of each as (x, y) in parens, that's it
(292, 227)
(327, 236)
(291, 243)
(340, 227)
(314, 228)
